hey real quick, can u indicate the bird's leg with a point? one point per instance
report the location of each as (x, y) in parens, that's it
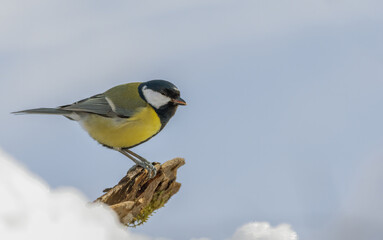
(140, 161)
(138, 156)
(132, 158)
(149, 165)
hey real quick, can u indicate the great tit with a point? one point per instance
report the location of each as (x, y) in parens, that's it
(124, 116)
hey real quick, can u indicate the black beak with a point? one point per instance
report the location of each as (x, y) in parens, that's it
(178, 101)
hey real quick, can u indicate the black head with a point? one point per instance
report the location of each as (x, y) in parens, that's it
(163, 96)
(160, 93)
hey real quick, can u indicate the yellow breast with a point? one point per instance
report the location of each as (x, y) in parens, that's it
(123, 132)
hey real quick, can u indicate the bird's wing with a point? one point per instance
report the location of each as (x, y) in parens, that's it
(120, 101)
(98, 104)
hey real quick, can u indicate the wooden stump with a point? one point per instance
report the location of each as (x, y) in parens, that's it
(136, 196)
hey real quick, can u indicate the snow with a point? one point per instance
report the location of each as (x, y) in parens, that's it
(29, 209)
(263, 231)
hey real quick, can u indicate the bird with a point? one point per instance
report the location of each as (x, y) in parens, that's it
(124, 116)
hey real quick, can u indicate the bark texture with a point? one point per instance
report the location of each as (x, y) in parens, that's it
(136, 197)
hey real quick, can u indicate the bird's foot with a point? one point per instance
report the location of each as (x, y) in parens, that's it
(140, 161)
(152, 170)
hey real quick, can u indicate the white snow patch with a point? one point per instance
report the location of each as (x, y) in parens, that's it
(263, 231)
(30, 210)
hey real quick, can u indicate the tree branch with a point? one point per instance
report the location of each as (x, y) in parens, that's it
(136, 196)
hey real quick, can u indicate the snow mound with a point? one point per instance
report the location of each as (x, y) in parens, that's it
(263, 231)
(30, 210)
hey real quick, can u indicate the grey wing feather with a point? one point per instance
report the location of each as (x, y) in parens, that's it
(53, 111)
(96, 104)
(123, 113)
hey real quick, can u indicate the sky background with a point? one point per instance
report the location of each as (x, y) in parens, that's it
(283, 122)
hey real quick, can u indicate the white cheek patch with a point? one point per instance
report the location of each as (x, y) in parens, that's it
(154, 98)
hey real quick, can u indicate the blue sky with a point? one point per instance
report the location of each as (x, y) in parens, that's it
(283, 122)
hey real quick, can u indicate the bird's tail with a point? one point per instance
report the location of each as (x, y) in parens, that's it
(54, 111)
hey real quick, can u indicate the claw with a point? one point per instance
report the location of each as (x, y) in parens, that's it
(152, 171)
